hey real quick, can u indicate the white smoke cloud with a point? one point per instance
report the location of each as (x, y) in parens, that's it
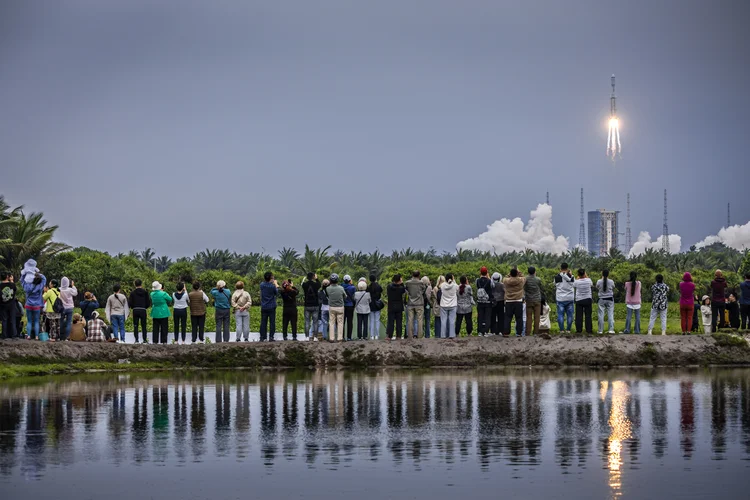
(737, 237)
(506, 235)
(644, 242)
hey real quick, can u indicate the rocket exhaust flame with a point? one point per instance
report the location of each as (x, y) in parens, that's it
(614, 146)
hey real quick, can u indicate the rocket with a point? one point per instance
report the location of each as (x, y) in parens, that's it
(613, 101)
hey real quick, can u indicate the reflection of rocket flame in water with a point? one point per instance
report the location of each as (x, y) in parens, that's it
(621, 430)
(614, 146)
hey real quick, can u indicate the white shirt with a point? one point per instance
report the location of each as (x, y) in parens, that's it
(583, 288)
(182, 303)
(449, 297)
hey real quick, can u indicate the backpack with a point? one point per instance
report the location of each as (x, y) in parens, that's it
(310, 294)
(483, 297)
(57, 306)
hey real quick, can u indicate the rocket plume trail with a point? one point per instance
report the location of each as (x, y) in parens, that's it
(614, 146)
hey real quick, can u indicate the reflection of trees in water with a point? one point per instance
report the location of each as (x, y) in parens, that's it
(745, 411)
(34, 460)
(574, 414)
(140, 424)
(242, 419)
(160, 421)
(180, 421)
(117, 423)
(198, 421)
(223, 420)
(718, 417)
(658, 417)
(687, 418)
(10, 421)
(268, 422)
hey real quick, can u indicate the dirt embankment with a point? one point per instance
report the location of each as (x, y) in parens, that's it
(618, 350)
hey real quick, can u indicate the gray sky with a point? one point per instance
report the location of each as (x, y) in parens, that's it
(182, 125)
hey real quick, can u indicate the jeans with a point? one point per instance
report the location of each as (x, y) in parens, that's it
(564, 309)
(9, 322)
(311, 320)
(323, 322)
(198, 323)
(484, 318)
(533, 313)
(583, 313)
(139, 316)
(66, 321)
(717, 315)
(469, 325)
(448, 322)
(362, 320)
(289, 316)
(427, 314)
(415, 312)
(686, 317)
(222, 325)
(180, 323)
(498, 318)
(437, 327)
(514, 310)
(637, 320)
(336, 324)
(349, 321)
(374, 327)
(654, 313)
(242, 324)
(267, 316)
(607, 306)
(32, 323)
(397, 318)
(161, 330)
(744, 316)
(118, 325)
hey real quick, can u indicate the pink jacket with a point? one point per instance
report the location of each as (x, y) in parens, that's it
(687, 289)
(634, 299)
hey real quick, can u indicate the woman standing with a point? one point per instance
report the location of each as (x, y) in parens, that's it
(88, 305)
(34, 303)
(718, 300)
(289, 311)
(117, 312)
(362, 308)
(448, 305)
(497, 322)
(160, 301)
(606, 288)
(241, 303)
(465, 304)
(324, 312)
(222, 304)
(179, 313)
(687, 304)
(584, 302)
(435, 301)
(52, 318)
(198, 300)
(633, 302)
(67, 292)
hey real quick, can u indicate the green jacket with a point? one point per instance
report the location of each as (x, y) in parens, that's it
(533, 290)
(160, 301)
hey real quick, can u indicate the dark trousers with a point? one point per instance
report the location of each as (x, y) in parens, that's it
(289, 316)
(583, 309)
(180, 323)
(139, 316)
(349, 321)
(222, 325)
(199, 325)
(745, 316)
(469, 325)
(484, 318)
(514, 310)
(396, 317)
(161, 330)
(267, 316)
(497, 318)
(362, 320)
(717, 315)
(9, 321)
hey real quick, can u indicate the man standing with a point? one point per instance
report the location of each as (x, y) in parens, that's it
(514, 301)
(269, 290)
(564, 296)
(718, 300)
(415, 308)
(395, 292)
(533, 291)
(484, 302)
(8, 305)
(139, 302)
(336, 299)
(745, 302)
(349, 306)
(376, 295)
(310, 288)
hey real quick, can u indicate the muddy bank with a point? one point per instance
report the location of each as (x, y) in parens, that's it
(617, 350)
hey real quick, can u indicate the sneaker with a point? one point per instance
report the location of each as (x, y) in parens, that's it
(145, 341)
(599, 333)
(649, 332)
(611, 332)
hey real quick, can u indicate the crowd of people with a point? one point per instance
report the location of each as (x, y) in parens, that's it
(330, 307)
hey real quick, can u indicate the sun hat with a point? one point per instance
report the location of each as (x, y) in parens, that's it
(155, 285)
(221, 284)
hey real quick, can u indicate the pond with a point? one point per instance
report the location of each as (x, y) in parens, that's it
(388, 434)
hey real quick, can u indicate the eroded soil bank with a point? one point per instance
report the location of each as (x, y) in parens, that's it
(605, 351)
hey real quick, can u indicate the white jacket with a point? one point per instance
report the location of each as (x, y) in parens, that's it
(449, 295)
(564, 288)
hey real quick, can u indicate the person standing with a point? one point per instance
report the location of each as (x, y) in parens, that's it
(139, 302)
(707, 315)
(532, 289)
(349, 306)
(584, 302)
(484, 302)
(198, 300)
(310, 289)
(289, 311)
(565, 298)
(718, 300)
(435, 298)
(448, 307)
(514, 285)
(659, 294)
(116, 311)
(498, 304)
(376, 305)
(34, 303)
(733, 311)
(464, 306)
(8, 305)
(427, 305)
(160, 301)
(606, 289)
(222, 305)
(67, 292)
(633, 303)
(745, 302)
(241, 302)
(415, 306)
(324, 311)
(336, 300)
(88, 305)
(362, 308)
(180, 313)
(52, 318)
(395, 292)
(269, 291)
(687, 304)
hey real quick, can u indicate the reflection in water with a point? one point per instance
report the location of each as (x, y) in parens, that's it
(410, 421)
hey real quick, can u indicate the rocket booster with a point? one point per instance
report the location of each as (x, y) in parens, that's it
(613, 101)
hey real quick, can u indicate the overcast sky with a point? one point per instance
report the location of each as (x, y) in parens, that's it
(181, 125)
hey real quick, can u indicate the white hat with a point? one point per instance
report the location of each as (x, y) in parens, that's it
(155, 285)
(221, 284)
(347, 278)
(497, 276)
(363, 279)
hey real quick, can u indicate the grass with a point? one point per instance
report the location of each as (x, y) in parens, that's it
(15, 370)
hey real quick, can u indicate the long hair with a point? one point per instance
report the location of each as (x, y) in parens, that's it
(461, 288)
(605, 275)
(633, 276)
(449, 278)
(440, 281)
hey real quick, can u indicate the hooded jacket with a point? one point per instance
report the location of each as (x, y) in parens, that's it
(139, 299)
(395, 295)
(160, 301)
(29, 271)
(310, 291)
(181, 299)
(33, 292)
(448, 294)
(67, 293)
(718, 288)
(87, 308)
(350, 291)
(289, 298)
(498, 288)
(687, 290)
(564, 287)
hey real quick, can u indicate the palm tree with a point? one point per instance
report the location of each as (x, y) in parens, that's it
(314, 260)
(25, 237)
(288, 258)
(148, 256)
(208, 260)
(162, 263)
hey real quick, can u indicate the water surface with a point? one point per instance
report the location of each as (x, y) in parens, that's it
(390, 434)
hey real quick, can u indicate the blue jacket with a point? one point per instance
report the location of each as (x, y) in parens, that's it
(34, 293)
(268, 294)
(745, 293)
(350, 291)
(221, 298)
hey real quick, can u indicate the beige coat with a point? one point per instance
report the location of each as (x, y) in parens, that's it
(241, 300)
